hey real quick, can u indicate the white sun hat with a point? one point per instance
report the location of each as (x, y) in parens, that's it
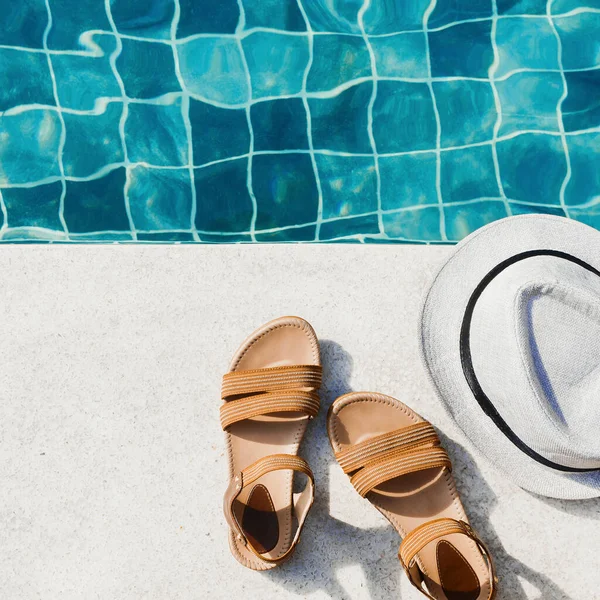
(510, 336)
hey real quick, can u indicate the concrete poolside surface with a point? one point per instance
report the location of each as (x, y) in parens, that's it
(112, 462)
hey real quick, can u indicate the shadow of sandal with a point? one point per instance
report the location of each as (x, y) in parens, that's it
(510, 570)
(329, 547)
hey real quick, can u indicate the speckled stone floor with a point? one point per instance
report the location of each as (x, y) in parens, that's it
(112, 460)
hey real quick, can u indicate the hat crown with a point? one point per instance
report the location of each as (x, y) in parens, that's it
(535, 347)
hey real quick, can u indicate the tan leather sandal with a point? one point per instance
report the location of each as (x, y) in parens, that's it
(394, 459)
(270, 394)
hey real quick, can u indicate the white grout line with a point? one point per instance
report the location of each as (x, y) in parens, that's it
(124, 113)
(372, 142)
(498, 104)
(107, 169)
(100, 104)
(559, 114)
(246, 106)
(4, 213)
(438, 135)
(248, 32)
(63, 127)
(313, 160)
(185, 113)
(230, 234)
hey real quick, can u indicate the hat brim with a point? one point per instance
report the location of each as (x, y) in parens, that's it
(441, 319)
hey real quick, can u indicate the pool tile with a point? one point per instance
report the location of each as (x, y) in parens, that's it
(461, 220)
(144, 18)
(445, 13)
(415, 224)
(216, 238)
(156, 134)
(348, 185)
(159, 198)
(522, 7)
(284, 15)
(589, 215)
(408, 180)
(516, 208)
(530, 101)
(276, 63)
(97, 205)
(285, 190)
(403, 117)
(32, 235)
(349, 55)
(525, 43)
(147, 69)
(565, 6)
(532, 168)
(279, 125)
(100, 81)
(102, 236)
(339, 16)
(471, 55)
(584, 184)
(292, 234)
(23, 23)
(365, 225)
(71, 20)
(386, 241)
(166, 236)
(92, 142)
(217, 133)
(223, 201)
(29, 146)
(581, 107)
(340, 123)
(402, 55)
(213, 69)
(29, 77)
(207, 16)
(467, 111)
(391, 16)
(371, 238)
(33, 207)
(580, 37)
(468, 174)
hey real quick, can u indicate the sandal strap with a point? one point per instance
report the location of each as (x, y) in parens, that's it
(302, 501)
(426, 533)
(397, 465)
(359, 455)
(271, 379)
(430, 531)
(272, 402)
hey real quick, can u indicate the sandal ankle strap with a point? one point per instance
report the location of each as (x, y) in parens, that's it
(423, 535)
(302, 501)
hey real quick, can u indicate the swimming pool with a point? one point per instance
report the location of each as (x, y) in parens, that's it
(295, 120)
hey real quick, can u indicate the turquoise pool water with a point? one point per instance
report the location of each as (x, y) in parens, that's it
(295, 120)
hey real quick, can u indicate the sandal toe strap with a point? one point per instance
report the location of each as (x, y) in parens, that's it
(272, 379)
(233, 411)
(397, 465)
(302, 501)
(358, 455)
